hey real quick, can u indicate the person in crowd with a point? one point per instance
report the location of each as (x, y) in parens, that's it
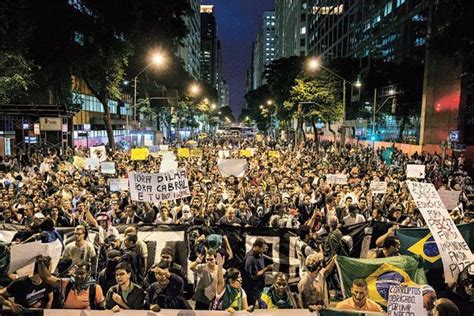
(334, 244)
(105, 229)
(230, 296)
(303, 248)
(312, 288)
(28, 292)
(126, 294)
(429, 298)
(354, 217)
(230, 217)
(167, 291)
(359, 300)
(106, 278)
(79, 292)
(254, 270)
(81, 249)
(445, 307)
(278, 295)
(391, 247)
(463, 293)
(206, 274)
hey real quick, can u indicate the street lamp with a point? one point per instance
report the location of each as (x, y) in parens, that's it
(157, 59)
(195, 89)
(390, 96)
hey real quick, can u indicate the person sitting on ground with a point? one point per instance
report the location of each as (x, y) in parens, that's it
(278, 295)
(126, 294)
(359, 300)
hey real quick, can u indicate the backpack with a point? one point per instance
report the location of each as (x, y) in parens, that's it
(92, 289)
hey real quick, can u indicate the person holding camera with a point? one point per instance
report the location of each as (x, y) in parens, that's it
(312, 288)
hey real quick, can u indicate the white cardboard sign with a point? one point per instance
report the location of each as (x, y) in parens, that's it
(117, 185)
(416, 171)
(405, 301)
(378, 187)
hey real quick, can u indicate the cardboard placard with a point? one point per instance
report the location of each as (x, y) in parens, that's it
(416, 171)
(139, 154)
(156, 187)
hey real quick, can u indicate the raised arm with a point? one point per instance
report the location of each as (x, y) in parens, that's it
(45, 275)
(220, 274)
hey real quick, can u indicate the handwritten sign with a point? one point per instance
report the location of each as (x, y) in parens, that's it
(449, 198)
(405, 301)
(336, 178)
(416, 171)
(168, 163)
(222, 154)
(378, 187)
(91, 163)
(245, 153)
(156, 187)
(184, 153)
(139, 153)
(232, 167)
(454, 251)
(98, 152)
(117, 185)
(79, 162)
(107, 167)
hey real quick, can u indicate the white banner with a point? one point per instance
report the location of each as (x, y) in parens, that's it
(222, 154)
(405, 300)
(168, 163)
(454, 251)
(98, 152)
(232, 167)
(23, 256)
(117, 185)
(107, 167)
(378, 187)
(336, 178)
(156, 187)
(51, 124)
(91, 164)
(416, 171)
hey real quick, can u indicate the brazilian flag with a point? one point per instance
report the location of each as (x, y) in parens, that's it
(420, 242)
(380, 274)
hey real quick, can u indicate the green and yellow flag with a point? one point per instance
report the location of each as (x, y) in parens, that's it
(380, 274)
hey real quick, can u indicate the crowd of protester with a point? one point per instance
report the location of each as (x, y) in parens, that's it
(42, 190)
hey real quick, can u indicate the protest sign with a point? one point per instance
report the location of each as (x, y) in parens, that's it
(98, 152)
(91, 163)
(454, 251)
(232, 167)
(405, 301)
(196, 152)
(222, 154)
(168, 163)
(336, 178)
(117, 185)
(107, 167)
(156, 187)
(23, 256)
(274, 154)
(148, 142)
(154, 149)
(449, 198)
(79, 162)
(378, 187)
(416, 171)
(164, 147)
(139, 153)
(183, 153)
(245, 153)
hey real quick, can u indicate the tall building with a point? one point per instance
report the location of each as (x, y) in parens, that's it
(291, 28)
(209, 46)
(190, 50)
(263, 51)
(390, 30)
(223, 94)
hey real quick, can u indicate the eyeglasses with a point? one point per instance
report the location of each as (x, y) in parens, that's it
(209, 259)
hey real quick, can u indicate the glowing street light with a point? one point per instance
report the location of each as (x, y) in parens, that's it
(270, 102)
(213, 106)
(261, 107)
(313, 64)
(194, 89)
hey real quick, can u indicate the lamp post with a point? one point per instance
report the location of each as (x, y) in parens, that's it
(157, 59)
(391, 95)
(314, 64)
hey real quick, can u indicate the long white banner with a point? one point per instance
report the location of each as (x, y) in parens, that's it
(454, 251)
(156, 187)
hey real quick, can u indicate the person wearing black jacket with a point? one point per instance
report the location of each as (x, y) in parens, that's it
(126, 294)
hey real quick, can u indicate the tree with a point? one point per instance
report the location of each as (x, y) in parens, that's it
(16, 76)
(316, 98)
(255, 99)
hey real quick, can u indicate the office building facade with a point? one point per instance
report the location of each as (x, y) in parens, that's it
(190, 50)
(263, 50)
(291, 28)
(209, 46)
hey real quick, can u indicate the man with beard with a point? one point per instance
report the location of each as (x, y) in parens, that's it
(359, 300)
(80, 291)
(81, 249)
(126, 294)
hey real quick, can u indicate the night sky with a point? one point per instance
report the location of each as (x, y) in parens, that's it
(238, 22)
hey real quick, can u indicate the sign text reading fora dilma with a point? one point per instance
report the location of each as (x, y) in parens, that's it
(156, 187)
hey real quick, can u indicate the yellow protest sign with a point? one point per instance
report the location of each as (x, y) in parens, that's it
(196, 152)
(245, 153)
(274, 154)
(139, 153)
(79, 162)
(184, 153)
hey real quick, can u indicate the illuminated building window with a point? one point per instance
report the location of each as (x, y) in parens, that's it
(303, 30)
(388, 8)
(400, 2)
